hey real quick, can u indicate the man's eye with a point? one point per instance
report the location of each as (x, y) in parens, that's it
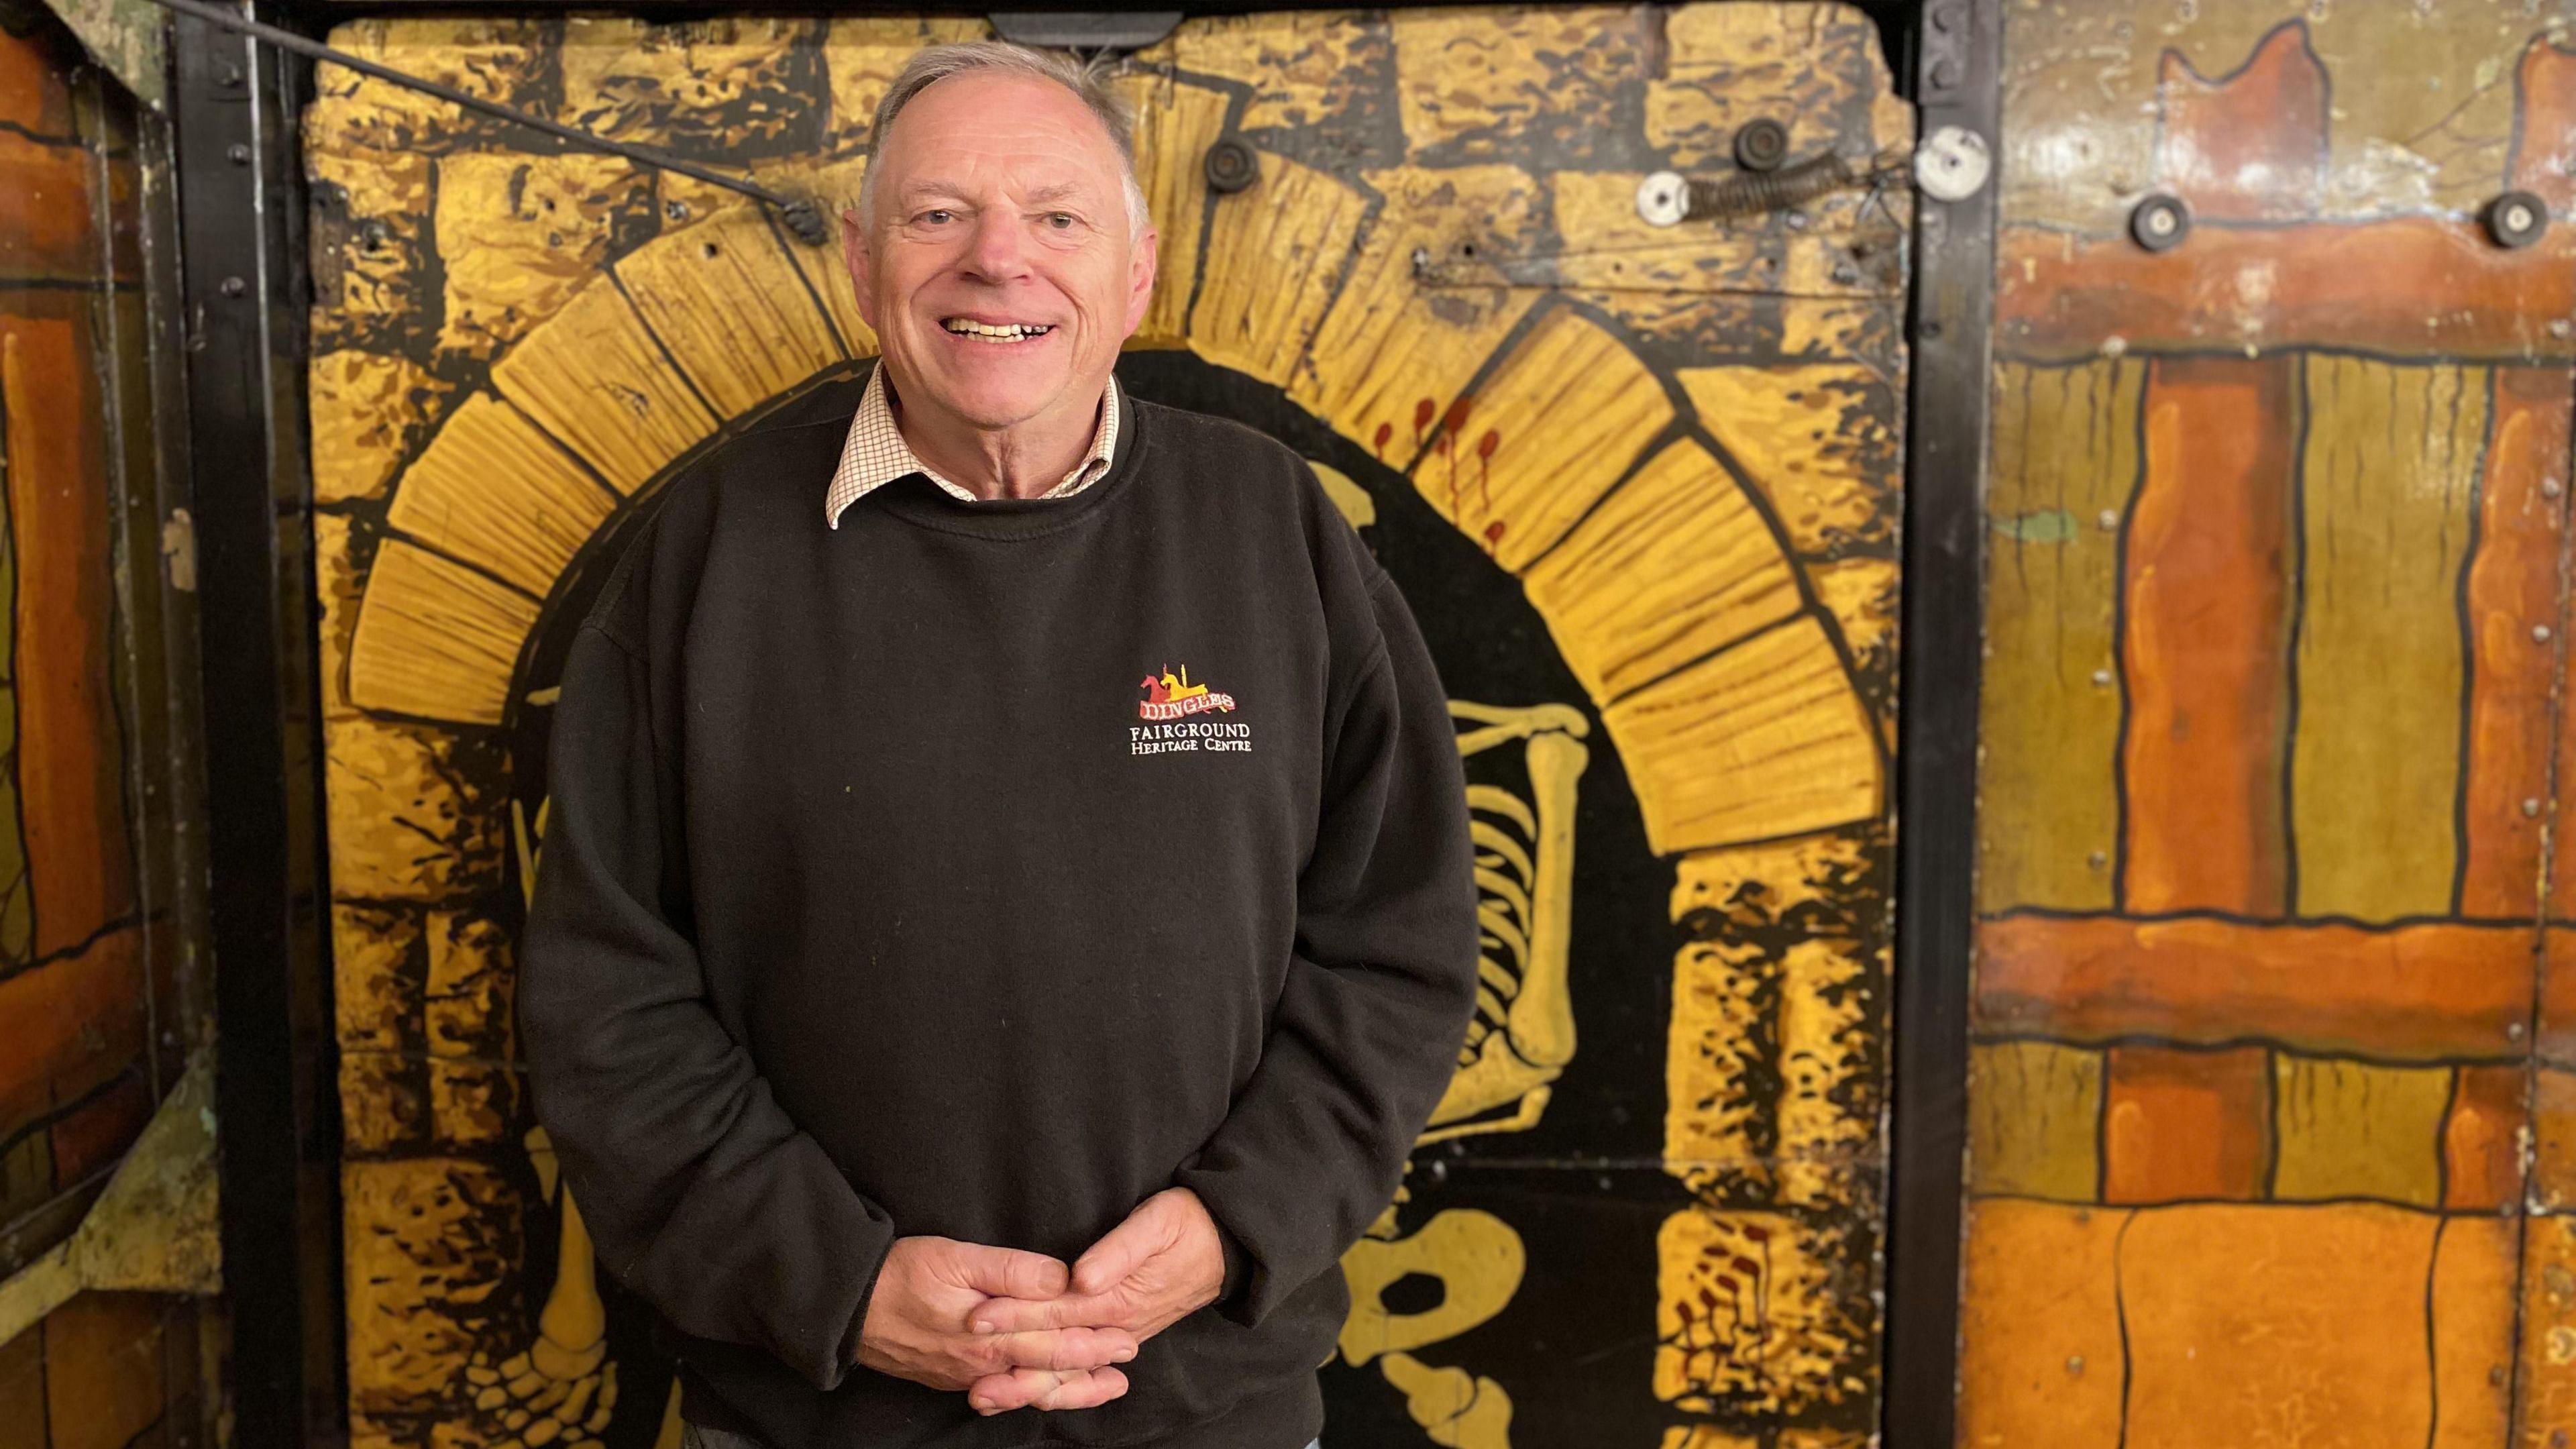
(1061, 220)
(937, 215)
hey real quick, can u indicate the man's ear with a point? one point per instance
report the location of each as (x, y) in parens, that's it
(1140, 278)
(854, 255)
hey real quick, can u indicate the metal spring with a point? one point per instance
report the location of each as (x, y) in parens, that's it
(1754, 193)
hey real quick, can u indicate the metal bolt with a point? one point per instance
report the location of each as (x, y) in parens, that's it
(2513, 1030)
(1931, 328)
(2549, 487)
(2530, 806)
(2110, 518)
(2102, 676)
(2075, 1364)
(2097, 860)
(1945, 72)
(230, 76)
(238, 154)
(1946, 17)
(2539, 633)
(234, 286)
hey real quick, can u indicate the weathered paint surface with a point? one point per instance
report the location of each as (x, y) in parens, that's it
(101, 998)
(1640, 485)
(2262, 1151)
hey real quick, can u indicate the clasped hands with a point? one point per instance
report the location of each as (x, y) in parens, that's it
(1017, 1329)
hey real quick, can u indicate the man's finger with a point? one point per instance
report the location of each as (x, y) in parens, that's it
(1066, 1349)
(1022, 1315)
(1109, 1261)
(1083, 1391)
(1045, 1389)
(1008, 1272)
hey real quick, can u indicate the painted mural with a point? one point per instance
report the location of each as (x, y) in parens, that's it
(2271, 1082)
(1639, 486)
(104, 1002)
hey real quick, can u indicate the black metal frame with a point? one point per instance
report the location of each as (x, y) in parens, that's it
(233, 110)
(1958, 55)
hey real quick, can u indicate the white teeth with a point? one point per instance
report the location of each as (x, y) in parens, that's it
(1007, 332)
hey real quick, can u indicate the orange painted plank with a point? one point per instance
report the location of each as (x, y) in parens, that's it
(33, 91)
(46, 221)
(2542, 159)
(2186, 1124)
(2205, 639)
(2322, 285)
(70, 751)
(66, 1016)
(2252, 143)
(2428, 992)
(2481, 1139)
(2513, 587)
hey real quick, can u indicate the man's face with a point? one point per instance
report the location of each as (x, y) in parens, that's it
(1000, 208)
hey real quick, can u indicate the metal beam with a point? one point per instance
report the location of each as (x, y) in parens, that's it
(242, 286)
(1957, 53)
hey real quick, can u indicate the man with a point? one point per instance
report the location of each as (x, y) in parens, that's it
(1007, 909)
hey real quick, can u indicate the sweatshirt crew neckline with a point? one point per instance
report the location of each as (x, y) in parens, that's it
(916, 500)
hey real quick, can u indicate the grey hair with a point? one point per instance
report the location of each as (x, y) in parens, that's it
(939, 62)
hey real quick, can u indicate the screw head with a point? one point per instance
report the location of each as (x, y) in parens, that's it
(2516, 219)
(1230, 165)
(237, 153)
(2539, 633)
(233, 286)
(2160, 223)
(1761, 145)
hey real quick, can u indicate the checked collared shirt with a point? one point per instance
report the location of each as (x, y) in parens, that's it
(876, 453)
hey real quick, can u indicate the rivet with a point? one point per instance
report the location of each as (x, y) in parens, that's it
(2075, 1364)
(2159, 223)
(2102, 676)
(2540, 633)
(2513, 1030)
(238, 154)
(234, 286)
(2558, 327)
(2097, 860)
(2110, 518)
(2530, 805)
(2549, 488)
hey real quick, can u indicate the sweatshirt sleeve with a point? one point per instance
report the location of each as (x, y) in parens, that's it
(700, 1192)
(1379, 989)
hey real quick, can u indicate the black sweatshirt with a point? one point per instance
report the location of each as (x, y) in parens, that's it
(891, 888)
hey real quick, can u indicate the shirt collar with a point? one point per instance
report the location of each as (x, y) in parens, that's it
(876, 453)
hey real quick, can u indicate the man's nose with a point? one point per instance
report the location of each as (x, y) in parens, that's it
(997, 252)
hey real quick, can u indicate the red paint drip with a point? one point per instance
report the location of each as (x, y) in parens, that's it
(1378, 444)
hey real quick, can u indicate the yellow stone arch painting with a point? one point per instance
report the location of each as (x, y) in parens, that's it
(1639, 485)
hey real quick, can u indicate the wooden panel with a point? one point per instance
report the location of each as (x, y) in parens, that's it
(2042, 1353)
(494, 490)
(1674, 564)
(1175, 125)
(1274, 257)
(1765, 739)
(70, 756)
(2414, 993)
(599, 382)
(2034, 1120)
(2349, 1129)
(2237, 1317)
(732, 309)
(2389, 475)
(2066, 461)
(435, 639)
(2205, 636)
(2512, 589)
(2186, 1124)
(2483, 1136)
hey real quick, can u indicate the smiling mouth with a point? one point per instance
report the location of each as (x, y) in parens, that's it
(994, 332)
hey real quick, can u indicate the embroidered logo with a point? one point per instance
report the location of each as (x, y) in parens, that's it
(1170, 696)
